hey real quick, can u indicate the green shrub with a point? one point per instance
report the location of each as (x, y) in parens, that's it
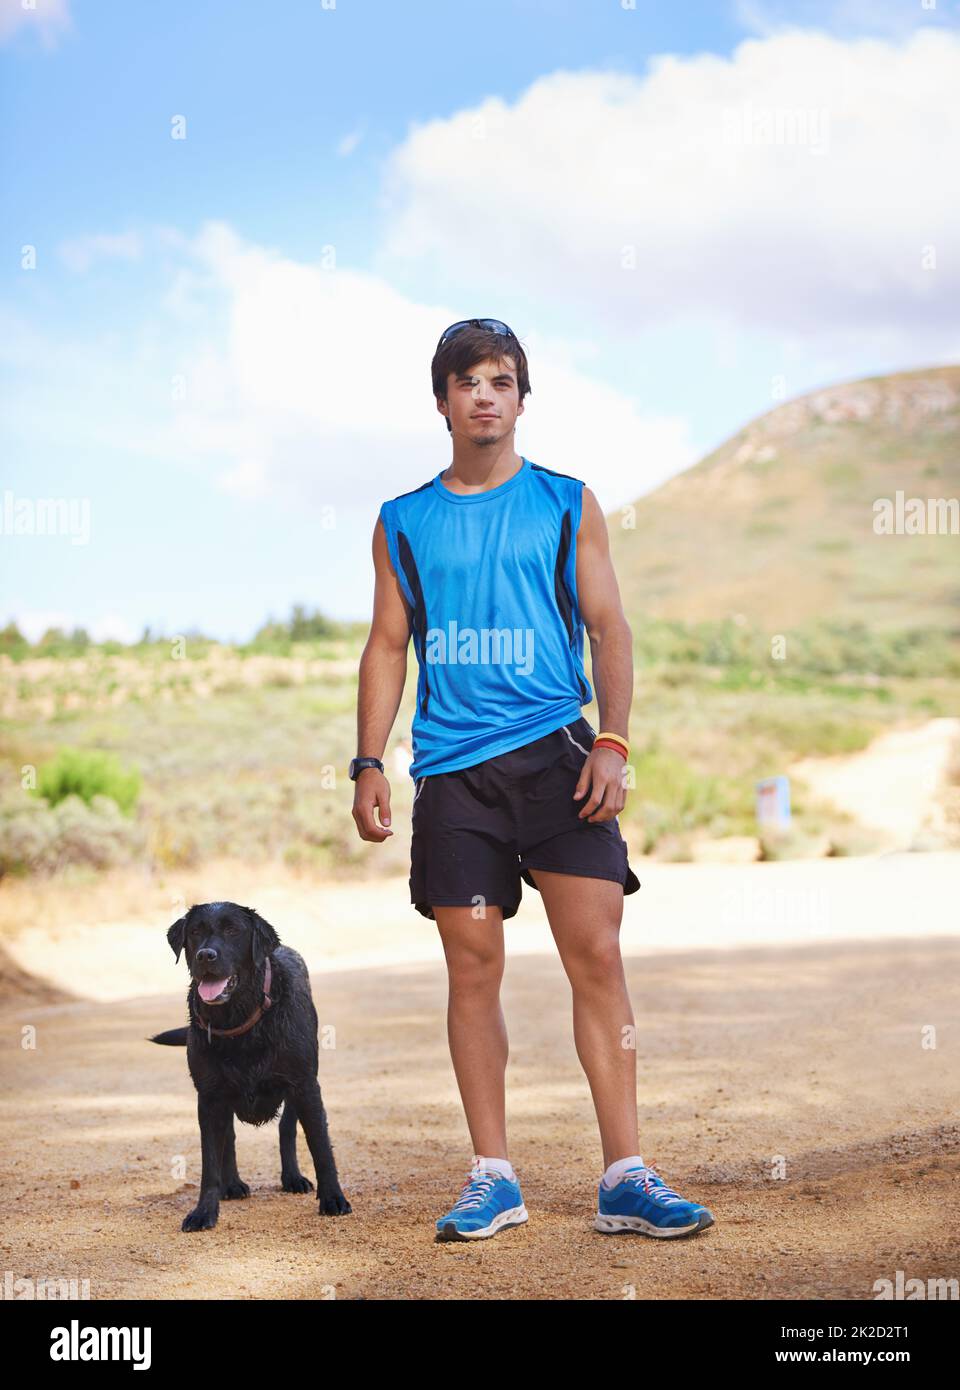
(88, 772)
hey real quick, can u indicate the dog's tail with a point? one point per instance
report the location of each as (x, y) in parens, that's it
(173, 1037)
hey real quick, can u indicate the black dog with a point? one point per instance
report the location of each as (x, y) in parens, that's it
(251, 1046)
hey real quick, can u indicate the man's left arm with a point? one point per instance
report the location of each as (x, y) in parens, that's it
(611, 650)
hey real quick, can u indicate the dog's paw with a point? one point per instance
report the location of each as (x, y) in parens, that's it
(200, 1219)
(333, 1203)
(295, 1182)
(236, 1187)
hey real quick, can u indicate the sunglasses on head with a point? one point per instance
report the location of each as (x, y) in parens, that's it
(494, 325)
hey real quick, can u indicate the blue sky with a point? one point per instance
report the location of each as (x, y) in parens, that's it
(220, 344)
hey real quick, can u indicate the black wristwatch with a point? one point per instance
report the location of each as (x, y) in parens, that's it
(358, 764)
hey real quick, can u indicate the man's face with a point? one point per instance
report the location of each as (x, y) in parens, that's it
(484, 403)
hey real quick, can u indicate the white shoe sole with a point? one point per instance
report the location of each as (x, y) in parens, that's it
(611, 1224)
(513, 1216)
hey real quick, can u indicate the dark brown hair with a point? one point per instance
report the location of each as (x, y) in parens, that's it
(459, 353)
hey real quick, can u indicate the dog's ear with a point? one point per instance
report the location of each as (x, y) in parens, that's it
(264, 939)
(177, 935)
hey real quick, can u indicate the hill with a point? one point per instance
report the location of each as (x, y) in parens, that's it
(777, 524)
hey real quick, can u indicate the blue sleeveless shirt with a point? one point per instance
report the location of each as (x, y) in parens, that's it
(491, 581)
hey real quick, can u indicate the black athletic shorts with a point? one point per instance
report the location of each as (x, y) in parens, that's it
(480, 830)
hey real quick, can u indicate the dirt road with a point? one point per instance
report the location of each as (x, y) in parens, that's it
(812, 1055)
(897, 786)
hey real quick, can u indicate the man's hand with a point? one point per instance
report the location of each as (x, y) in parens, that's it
(602, 776)
(372, 792)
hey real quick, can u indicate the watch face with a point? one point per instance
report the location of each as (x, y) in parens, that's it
(366, 762)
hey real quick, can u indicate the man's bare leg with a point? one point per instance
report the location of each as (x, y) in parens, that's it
(585, 916)
(476, 1029)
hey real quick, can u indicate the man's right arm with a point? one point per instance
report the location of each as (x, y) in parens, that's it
(383, 674)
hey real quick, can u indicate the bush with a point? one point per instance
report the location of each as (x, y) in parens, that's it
(37, 838)
(671, 798)
(817, 648)
(87, 773)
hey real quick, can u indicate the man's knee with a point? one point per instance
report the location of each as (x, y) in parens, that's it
(475, 967)
(596, 958)
(473, 946)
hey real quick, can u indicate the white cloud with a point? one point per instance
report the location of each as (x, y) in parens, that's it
(33, 623)
(285, 381)
(49, 18)
(81, 252)
(113, 627)
(315, 383)
(349, 143)
(792, 187)
(892, 18)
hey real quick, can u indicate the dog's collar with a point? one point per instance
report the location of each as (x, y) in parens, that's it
(255, 1017)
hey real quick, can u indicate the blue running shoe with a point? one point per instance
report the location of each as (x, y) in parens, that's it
(488, 1203)
(643, 1202)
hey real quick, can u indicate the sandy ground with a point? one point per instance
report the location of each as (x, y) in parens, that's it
(897, 786)
(798, 1031)
(72, 938)
(781, 1011)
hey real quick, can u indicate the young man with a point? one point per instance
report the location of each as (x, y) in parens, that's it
(494, 566)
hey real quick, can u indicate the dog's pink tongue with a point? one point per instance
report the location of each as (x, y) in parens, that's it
(209, 989)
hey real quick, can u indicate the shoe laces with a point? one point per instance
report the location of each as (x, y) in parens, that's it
(475, 1190)
(650, 1182)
